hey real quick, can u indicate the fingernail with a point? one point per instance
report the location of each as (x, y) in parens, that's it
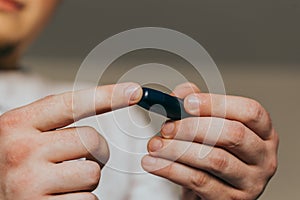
(148, 161)
(155, 144)
(167, 130)
(193, 104)
(134, 93)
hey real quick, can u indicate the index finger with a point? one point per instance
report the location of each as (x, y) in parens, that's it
(57, 111)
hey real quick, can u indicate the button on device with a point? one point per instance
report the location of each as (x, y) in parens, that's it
(163, 104)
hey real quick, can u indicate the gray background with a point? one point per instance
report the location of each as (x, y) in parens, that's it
(232, 31)
(255, 44)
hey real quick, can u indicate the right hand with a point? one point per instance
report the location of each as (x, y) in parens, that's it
(34, 146)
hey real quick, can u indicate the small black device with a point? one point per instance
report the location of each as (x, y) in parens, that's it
(163, 104)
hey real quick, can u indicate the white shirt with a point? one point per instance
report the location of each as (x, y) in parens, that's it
(20, 88)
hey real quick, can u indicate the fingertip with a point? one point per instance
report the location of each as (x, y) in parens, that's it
(155, 144)
(192, 104)
(168, 129)
(148, 162)
(134, 93)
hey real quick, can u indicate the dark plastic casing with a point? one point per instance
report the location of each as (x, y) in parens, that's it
(163, 104)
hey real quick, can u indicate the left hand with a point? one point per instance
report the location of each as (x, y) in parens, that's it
(239, 139)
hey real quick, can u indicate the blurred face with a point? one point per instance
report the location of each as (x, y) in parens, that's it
(20, 21)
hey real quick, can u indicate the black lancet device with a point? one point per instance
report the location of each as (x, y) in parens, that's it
(163, 104)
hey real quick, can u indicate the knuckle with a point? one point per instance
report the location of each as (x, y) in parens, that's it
(49, 100)
(67, 135)
(4, 121)
(189, 128)
(276, 140)
(91, 130)
(198, 180)
(255, 191)
(91, 196)
(64, 99)
(254, 186)
(255, 111)
(239, 196)
(11, 119)
(67, 101)
(236, 133)
(94, 138)
(16, 185)
(261, 150)
(18, 152)
(93, 174)
(259, 189)
(169, 170)
(269, 124)
(273, 166)
(95, 144)
(218, 162)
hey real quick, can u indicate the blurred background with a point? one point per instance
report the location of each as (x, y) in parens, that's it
(255, 44)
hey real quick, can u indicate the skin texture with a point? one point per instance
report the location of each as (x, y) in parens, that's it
(19, 28)
(244, 153)
(33, 146)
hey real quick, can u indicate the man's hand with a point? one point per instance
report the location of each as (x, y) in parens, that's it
(227, 151)
(34, 146)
